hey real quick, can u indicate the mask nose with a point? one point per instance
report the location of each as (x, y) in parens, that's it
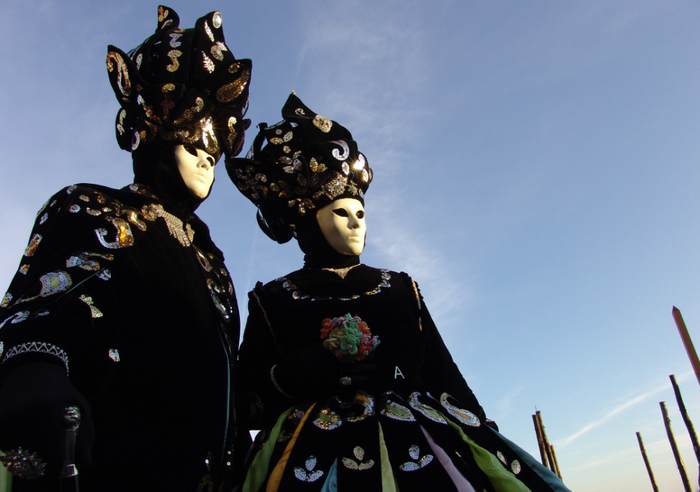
(205, 160)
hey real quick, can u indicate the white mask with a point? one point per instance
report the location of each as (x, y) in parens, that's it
(196, 168)
(343, 225)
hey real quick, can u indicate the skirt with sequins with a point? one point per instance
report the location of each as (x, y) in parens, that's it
(390, 443)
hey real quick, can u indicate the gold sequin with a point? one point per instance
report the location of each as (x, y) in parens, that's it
(322, 123)
(208, 63)
(175, 63)
(327, 419)
(189, 113)
(33, 245)
(217, 50)
(123, 81)
(124, 236)
(229, 92)
(94, 312)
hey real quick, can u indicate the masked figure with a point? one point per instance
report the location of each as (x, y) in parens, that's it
(341, 365)
(119, 331)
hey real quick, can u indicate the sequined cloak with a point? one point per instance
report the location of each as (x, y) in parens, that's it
(413, 424)
(133, 300)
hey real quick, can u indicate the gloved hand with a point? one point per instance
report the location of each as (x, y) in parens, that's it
(33, 403)
(311, 371)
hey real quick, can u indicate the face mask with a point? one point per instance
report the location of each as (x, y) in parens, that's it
(196, 168)
(343, 225)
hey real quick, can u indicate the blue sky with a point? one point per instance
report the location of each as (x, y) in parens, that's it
(536, 171)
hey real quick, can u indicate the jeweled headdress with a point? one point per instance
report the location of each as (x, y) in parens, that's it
(307, 162)
(182, 86)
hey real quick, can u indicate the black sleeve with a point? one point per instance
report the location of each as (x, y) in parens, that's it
(259, 398)
(58, 307)
(439, 371)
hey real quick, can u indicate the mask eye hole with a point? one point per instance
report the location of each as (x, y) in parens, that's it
(360, 214)
(341, 212)
(191, 149)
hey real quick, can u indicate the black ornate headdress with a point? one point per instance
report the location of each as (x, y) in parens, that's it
(307, 162)
(182, 86)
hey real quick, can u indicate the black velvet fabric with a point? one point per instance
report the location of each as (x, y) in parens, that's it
(136, 296)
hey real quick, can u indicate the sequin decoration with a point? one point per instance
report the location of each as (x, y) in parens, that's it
(183, 234)
(228, 92)
(207, 29)
(123, 81)
(418, 460)
(23, 463)
(203, 261)
(299, 295)
(207, 63)
(322, 123)
(18, 317)
(425, 410)
(7, 298)
(84, 262)
(328, 420)
(309, 474)
(2, 349)
(24, 269)
(74, 209)
(346, 150)
(54, 282)
(515, 467)
(43, 218)
(217, 50)
(217, 20)
(367, 402)
(501, 458)
(94, 312)
(358, 463)
(114, 355)
(174, 56)
(464, 416)
(396, 411)
(33, 245)
(124, 237)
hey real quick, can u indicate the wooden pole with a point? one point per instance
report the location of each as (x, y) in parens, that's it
(687, 342)
(545, 442)
(646, 463)
(686, 419)
(555, 461)
(674, 447)
(540, 441)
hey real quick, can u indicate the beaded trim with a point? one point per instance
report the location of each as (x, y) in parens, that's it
(298, 295)
(38, 347)
(276, 384)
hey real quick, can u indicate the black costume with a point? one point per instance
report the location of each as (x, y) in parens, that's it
(339, 409)
(122, 316)
(131, 299)
(318, 440)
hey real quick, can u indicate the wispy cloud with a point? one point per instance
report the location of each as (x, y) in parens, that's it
(617, 410)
